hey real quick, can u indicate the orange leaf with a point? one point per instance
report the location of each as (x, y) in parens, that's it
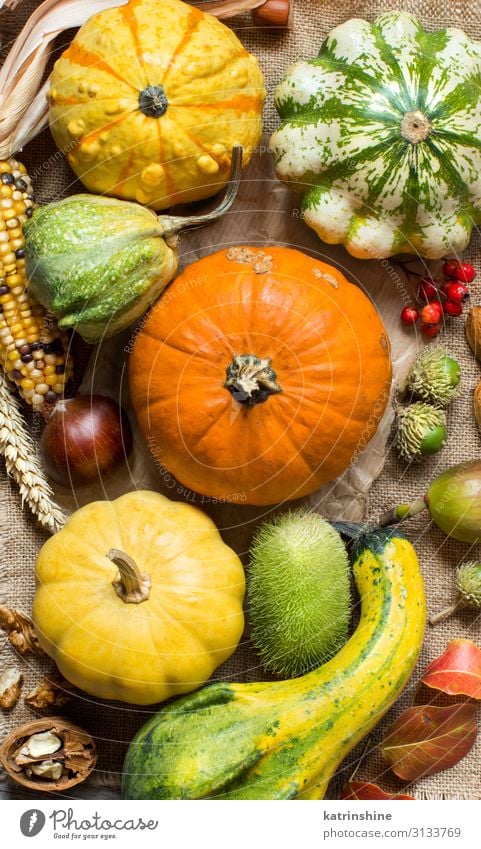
(366, 790)
(427, 739)
(457, 671)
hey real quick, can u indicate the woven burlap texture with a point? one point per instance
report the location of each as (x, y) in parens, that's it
(114, 724)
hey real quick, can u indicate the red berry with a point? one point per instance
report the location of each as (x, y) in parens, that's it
(409, 315)
(465, 272)
(431, 313)
(426, 290)
(430, 329)
(452, 308)
(450, 267)
(457, 292)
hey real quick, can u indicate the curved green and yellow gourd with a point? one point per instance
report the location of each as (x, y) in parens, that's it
(285, 740)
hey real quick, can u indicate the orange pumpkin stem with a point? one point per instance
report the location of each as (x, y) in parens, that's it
(251, 380)
(130, 585)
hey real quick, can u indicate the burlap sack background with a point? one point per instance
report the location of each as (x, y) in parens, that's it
(114, 724)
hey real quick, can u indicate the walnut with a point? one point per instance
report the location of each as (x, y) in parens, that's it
(473, 330)
(47, 769)
(51, 694)
(477, 405)
(20, 630)
(38, 746)
(48, 754)
(10, 685)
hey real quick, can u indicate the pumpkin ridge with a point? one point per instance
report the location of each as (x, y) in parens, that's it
(455, 98)
(169, 183)
(195, 17)
(131, 22)
(78, 54)
(458, 138)
(193, 137)
(343, 168)
(356, 74)
(94, 135)
(394, 66)
(432, 43)
(452, 176)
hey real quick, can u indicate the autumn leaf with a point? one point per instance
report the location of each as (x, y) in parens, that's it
(457, 671)
(366, 790)
(427, 739)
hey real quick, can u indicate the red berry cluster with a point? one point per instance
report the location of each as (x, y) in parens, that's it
(440, 299)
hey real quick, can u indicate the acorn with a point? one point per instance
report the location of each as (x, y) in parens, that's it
(434, 377)
(468, 589)
(420, 431)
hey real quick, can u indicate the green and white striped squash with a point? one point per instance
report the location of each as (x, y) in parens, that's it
(383, 132)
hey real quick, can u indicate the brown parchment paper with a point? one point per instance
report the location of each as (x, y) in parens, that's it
(265, 213)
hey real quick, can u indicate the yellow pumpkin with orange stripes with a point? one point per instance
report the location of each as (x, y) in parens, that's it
(150, 98)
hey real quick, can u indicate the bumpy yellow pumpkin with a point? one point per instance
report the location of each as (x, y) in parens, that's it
(138, 599)
(149, 100)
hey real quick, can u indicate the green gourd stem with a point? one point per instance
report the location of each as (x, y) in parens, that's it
(446, 613)
(401, 513)
(251, 380)
(131, 585)
(174, 224)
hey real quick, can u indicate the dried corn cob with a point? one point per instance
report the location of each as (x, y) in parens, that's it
(33, 350)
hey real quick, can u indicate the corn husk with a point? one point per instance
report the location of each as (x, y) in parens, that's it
(23, 105)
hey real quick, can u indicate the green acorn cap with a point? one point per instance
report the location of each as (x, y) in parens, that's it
(299, 592)
(434, 376)
(420, 431)
(468, 584)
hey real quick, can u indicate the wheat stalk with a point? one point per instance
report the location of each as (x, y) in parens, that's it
(22, 463)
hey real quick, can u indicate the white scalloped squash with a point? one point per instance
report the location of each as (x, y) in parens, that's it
(383, 133)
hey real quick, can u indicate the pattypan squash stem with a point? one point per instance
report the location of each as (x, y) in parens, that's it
(131, 585)
(174, 224)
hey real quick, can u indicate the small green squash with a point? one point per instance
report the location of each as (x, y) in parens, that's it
(382, 131)
(98, 263)
(285, 740)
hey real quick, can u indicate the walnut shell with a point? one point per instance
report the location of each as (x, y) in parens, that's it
(78, 753)
(477, 405)
(473, 331)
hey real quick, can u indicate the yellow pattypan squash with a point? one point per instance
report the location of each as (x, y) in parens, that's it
(150, 98)
(138, 599)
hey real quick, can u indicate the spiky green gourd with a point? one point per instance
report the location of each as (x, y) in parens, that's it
(420, 431)
(299, 595)
(434, 377)
(381, 130)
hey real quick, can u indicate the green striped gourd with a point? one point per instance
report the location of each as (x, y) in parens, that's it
(383, 133)
(284, 740)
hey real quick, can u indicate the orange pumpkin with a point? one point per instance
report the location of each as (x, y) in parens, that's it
(259, 375)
